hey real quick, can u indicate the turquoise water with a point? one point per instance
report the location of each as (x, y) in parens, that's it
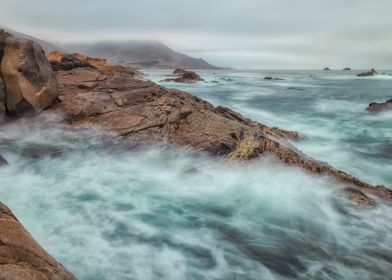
(159, 213)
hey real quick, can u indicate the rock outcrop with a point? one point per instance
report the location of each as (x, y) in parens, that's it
(64, 62)
(347, 69)
(184, 76)
(21, 257)
(372, 72)
(141, 112)
(326, 69)
(29, 83)
(377, 107)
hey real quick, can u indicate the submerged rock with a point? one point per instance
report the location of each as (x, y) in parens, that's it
(30, 85)
(21, 257)
(372, 72)
(377, 107)
(142, 112)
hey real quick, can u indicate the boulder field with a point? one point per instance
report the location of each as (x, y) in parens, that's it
(138, 112)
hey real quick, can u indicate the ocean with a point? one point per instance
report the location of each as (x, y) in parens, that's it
(163, 213)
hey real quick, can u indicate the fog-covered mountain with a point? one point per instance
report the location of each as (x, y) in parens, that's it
(141, 54)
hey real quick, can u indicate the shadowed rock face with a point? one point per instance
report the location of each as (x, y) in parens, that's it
(141, 112)
(377, 107)
(21, 257)
(29, 82)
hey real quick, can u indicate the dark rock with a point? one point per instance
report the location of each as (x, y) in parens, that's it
(142, 112)
(347, 69)
(271, 78)
(368, 73)
(30, 85)
(377, 107)
(326, 69)
(184, 76)
(21, 257)
(3, 161)
(179, 71)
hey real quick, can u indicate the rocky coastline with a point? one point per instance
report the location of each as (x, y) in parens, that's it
(85, 92)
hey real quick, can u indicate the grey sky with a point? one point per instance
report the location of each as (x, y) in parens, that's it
(285, 34)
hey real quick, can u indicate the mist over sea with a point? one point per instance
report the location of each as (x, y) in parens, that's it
(164, 213)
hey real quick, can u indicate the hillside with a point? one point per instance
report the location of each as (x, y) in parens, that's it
(141, 54)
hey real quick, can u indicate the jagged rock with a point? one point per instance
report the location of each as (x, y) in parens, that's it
(3, 36)
(184, 76)
(30, 85)
(142, 112)
(3, 161)
(377, 107)
(347, 69)
(61, 61)
(368, 73)
(326, 69)
(21, 257)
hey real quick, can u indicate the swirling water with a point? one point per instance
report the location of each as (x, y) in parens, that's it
(160, 213)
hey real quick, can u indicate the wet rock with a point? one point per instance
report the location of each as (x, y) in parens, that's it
(326, 69)
(142, 112)
(3, 161)
(30, 85)
(377, 107)
(179, 71)
(347, 69)
(38, 151)
(271, 78)
(358, 197)
(372, 72)
(21, 257)
(184, 76)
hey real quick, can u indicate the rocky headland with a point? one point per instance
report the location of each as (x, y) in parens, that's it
(137, 112)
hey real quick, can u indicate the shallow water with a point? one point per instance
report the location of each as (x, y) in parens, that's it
(159, 213)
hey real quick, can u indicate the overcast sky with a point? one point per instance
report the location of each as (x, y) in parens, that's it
(266, 34)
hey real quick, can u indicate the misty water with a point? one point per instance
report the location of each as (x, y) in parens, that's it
(164, 213)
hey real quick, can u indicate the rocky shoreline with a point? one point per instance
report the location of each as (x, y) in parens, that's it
(87, 92)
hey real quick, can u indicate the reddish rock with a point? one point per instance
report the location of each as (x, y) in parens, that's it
(141, 112)
(377, 107)
(21, 257)
(30, 85)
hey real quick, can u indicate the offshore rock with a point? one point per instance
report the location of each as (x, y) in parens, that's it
(368, 73)
(21, 257)
(377, 107)
(142, 112)
(3, 161)
(184, 76)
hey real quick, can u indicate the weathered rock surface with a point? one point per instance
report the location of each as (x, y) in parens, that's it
(30, 85)
(377, 107)
(21, 257)
(3, 36)
(141, 112)
(184, 76)
(368, 73)
(64, 62)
